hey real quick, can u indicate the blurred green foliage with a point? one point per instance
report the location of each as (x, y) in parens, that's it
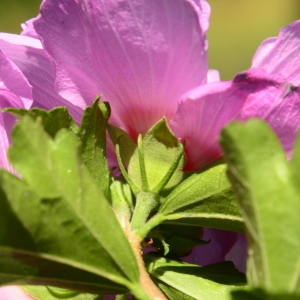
(237, 27)
(15, 12)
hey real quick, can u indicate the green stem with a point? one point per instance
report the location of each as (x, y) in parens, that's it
(140, 294)
(146, 289)
(146, 203)
(152, 223)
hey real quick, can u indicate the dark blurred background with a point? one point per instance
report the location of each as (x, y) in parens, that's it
(237, 27)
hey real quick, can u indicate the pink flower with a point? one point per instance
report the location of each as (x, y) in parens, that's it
(141, 55)
(28, 55)
(15, 91)
(280, 55)
(149, 60)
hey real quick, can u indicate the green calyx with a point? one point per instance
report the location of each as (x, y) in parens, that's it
(154, 163)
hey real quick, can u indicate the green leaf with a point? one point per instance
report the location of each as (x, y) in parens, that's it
(194, 282)
(203, 199)
(12, 232)
(18, 113)
(21, 260)
(22, 264)
(50, 293)
(53, 120)
(258, 294)
(30, 267)
(172, 293)
(92, 134)
(267, 187)
(67, 216)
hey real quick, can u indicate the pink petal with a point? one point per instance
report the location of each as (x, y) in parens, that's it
(28, 29)
(221, 242)
(204, 111)
(4, 143)
(12, 80)
(30, 57)
(213, 75)
(280, 108)
(141, 55)
(200, 116)
(13, 293)
(281, 55)
(15, 91)
(238, 253)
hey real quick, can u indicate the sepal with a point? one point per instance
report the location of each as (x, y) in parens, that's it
(154, 163)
